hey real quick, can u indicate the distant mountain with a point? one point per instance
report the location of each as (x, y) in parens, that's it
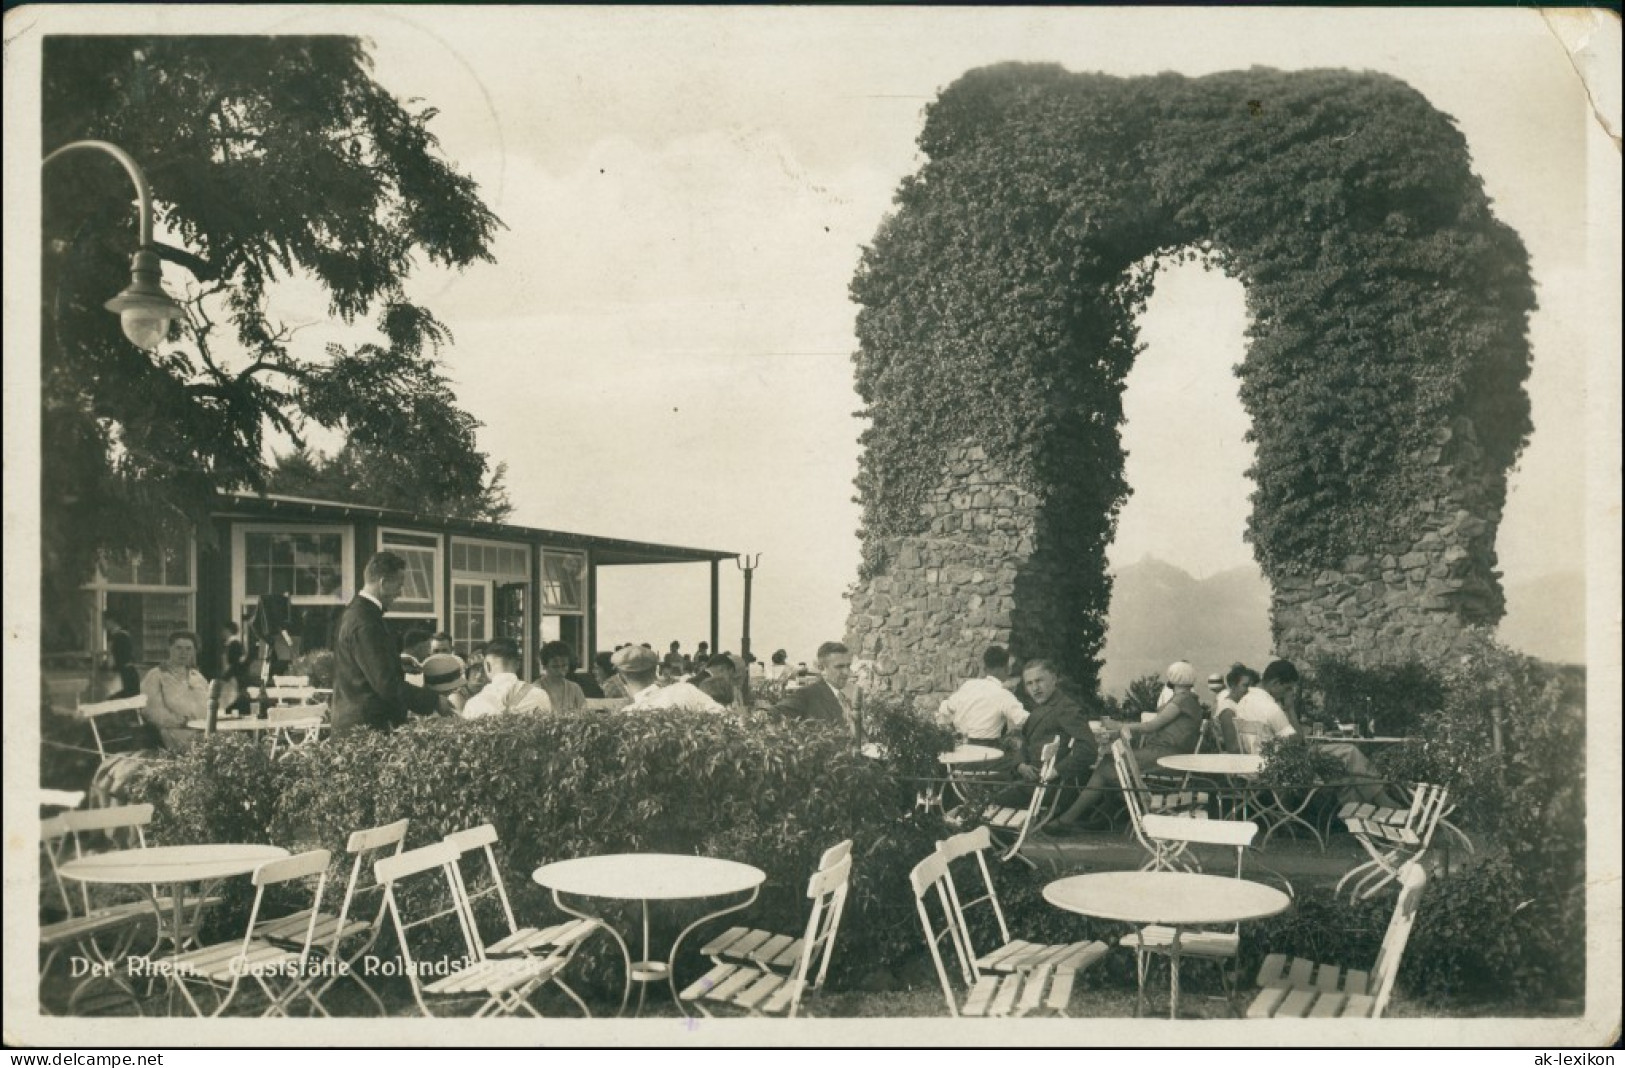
(1160, 613)
(1546, 617)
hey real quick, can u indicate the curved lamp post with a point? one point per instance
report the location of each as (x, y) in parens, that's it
(145, 311)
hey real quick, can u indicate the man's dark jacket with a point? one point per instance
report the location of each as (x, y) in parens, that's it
(1060, 717)
(369, 687)
(816, 700)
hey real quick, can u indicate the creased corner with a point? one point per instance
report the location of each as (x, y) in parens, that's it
(1591, 39)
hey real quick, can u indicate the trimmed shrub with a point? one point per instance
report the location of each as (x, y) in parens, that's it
(1389, 700)
(758, 789)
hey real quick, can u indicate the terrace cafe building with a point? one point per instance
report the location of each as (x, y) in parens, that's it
(476, 580)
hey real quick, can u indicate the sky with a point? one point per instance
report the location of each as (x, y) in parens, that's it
(662, 349)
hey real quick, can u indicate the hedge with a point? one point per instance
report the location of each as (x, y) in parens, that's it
(757, 789)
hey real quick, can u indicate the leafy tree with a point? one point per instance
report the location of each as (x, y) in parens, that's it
(409, 479)
(270, 157)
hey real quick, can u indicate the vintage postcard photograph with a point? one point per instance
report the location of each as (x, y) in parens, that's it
(811, 526)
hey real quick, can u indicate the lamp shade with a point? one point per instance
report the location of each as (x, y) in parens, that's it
(144, 309)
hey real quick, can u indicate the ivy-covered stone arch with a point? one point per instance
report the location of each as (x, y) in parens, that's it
(1384, 377)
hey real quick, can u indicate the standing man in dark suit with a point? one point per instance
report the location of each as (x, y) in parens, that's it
(825, 699)
(369, 685)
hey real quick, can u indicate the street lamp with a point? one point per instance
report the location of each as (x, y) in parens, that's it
(144, 310)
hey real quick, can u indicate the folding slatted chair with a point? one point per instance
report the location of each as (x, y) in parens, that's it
(502, 984)
(767, 976)
(120, 827)
(280, 969)
(118, 726)
(290, 681)
(82, 924)
(1391, 837)
(1168, 838)
(1298, 987)
(769, 949)
(556, 944)
(1011, 825)
(1011, 994)
(1056, 965)
(353, 921)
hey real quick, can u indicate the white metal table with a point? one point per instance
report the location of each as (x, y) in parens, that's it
(646, 877)
(177, 867)
(1171, 898)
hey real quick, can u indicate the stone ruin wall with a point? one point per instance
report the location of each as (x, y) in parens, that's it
(917, 627)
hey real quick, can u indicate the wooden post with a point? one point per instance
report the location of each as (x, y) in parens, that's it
(716, 618)
(747, 564)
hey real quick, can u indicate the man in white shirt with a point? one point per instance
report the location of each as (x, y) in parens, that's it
(1270, 706)
(506, 692)
(638, 667)
(982, 711)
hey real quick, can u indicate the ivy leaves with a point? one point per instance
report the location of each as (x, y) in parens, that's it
(997, 305)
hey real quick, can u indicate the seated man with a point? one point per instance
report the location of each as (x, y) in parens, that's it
(982, 711)
(505, 692)
(824, 698)
(1272, 707)
(1054, 715)
(637, 667)
(720, 679)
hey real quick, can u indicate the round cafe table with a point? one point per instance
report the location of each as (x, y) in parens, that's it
(177, 867)
(1174, 899)
(646, 877)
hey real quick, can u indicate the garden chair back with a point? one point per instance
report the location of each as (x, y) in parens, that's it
(432, 902)
(1016, 979)
(61, 798)
(74, 921)
(1011, 955)
(281, 968)
(360, 915)
(117, 726)
(1297, 987)
(556, 944)
(1168, 835)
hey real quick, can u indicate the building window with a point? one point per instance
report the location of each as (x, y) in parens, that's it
(488, 558)
(421, 597)
(151, 594)
(564, 581)
(301, 564)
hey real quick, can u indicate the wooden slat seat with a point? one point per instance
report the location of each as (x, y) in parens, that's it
(1017, 977)
(1191, 943)
(767, 972)
(1391, 838)
(1298, 987)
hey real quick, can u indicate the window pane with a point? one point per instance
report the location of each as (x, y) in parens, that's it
(178, 567)
(562, 579)
(258, 579)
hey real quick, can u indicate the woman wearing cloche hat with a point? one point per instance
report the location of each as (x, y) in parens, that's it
(1173, 730)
